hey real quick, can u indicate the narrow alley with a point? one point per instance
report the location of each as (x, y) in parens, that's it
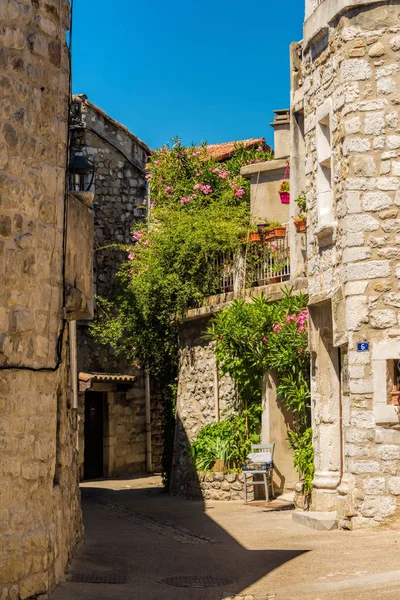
(142, 543)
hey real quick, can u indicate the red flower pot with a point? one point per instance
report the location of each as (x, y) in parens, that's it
(300, 225)
(285, 197)
(253, 236)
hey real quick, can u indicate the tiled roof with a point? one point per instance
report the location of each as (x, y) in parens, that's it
(225, 150)
(86, 379)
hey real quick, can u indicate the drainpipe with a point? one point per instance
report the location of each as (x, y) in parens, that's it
(149, 466)
(73, 363)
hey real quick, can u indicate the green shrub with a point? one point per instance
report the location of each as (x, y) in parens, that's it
(228, 440)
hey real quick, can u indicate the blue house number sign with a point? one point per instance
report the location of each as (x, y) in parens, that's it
(363, 347)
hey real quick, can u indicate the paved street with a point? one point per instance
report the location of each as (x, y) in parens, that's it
(140, 537)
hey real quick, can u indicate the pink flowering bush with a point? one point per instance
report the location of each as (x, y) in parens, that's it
(175, 171)
(253, 338)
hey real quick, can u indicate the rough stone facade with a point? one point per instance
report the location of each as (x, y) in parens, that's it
(217, 486)
(349, 95)
(40, 517)
(203, 396)
(119, 160)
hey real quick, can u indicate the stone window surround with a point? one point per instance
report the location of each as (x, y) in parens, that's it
(326, 224)
(381, 353)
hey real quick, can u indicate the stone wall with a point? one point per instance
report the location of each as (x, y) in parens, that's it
(40, 517)
(351, 81)
(203, 396)
(119, 160)
(217, 486)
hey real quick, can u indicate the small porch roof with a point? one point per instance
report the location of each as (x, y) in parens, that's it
(87, 379)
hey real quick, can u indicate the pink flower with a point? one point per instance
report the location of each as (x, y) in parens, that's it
(277, 328)
(239, 192)
(259, 149)
(299, 351)
(195, 153)
(131, 256)
(198, 174)
(137, 235)
(157, 161)
(215, 170)
(148, 176)
(198, 186)
(223, 175)
(206, 189)
(184, 200)
(265, 339)
(302, 328)
(168, 189)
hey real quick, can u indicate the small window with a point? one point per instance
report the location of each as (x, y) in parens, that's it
(324, 169)
(393, 376)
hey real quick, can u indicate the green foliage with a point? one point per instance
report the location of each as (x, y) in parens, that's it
(252, 338)
(228, 440)
(303, 456)
(301, 202)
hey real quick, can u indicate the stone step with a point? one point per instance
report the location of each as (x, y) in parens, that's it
(324, 521)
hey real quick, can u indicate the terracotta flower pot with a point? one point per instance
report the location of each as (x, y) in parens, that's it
(253, 236)
(275, 279)
(285, 197)
(301, 225)
(275, 232)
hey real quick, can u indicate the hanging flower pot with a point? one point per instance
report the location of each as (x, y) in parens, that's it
(285, 197)
(301, 225)
(284, 189)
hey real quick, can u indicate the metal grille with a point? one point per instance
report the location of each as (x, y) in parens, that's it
(224, 270)
(112, 578)
(206, 581)
(269, 262)
(266, 263)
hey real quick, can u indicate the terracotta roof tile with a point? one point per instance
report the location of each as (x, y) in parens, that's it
(225, 150)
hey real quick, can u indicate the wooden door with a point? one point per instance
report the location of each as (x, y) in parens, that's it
(93, 466)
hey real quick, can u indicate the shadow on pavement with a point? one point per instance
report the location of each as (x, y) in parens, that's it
(145, 536)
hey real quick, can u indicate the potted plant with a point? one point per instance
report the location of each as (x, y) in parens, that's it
(272, 230)
(284, 192)
(300, 220)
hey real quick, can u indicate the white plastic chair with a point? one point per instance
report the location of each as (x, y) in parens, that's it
(267, 474)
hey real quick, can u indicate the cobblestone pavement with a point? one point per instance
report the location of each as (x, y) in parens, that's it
(143, 544)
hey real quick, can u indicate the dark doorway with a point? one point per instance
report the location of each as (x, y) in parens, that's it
(93, 465)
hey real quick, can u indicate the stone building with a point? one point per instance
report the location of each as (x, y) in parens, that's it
(344, 146)
(46, 284)
(115, 425)
(345, 153)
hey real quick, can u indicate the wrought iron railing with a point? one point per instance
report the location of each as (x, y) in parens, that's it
(256, 265)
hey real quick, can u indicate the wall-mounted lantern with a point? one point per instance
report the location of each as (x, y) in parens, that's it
(81, 173)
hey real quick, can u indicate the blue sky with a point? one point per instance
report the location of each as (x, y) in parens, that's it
(209, 70)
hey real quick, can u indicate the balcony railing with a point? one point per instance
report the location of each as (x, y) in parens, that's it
(255, 265)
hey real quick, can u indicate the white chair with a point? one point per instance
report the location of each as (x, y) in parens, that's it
(266, 473)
